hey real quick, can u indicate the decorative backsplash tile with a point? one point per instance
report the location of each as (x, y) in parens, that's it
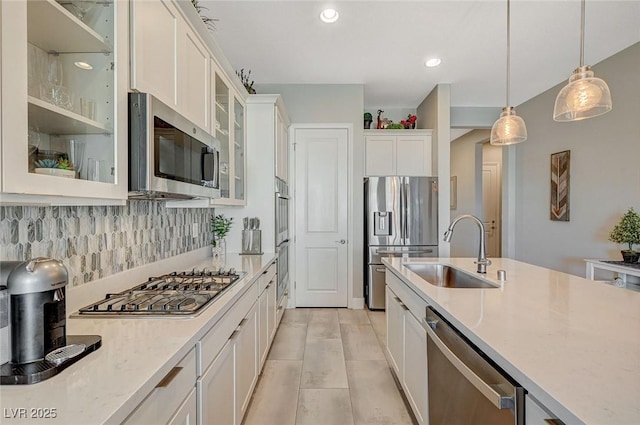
(98, 241)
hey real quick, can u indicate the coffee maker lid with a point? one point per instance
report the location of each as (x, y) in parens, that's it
(37, 275)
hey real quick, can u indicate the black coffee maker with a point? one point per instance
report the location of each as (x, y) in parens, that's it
(37, 306)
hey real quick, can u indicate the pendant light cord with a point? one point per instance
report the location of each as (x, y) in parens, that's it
(508, 46)
(582, 33)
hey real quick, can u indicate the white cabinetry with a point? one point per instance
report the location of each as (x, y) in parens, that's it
(282, 145)
(246, 360)
(397, 152)
(536, 414)
(216, 388)
(187, 414)
(228, 117)
(267, 313)
(407, 344)
(169, 60)
(171, 400)
(42, 90)
(262, 111)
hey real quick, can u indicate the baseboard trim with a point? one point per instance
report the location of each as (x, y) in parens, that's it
(357, 303)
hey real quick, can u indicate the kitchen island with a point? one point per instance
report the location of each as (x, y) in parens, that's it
(136, 354)
(572, 343)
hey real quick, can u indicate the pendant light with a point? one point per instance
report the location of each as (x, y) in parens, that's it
(585, 96)
(509, 129)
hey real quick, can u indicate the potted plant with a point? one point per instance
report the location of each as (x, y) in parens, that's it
(245, 81)
(627, 231)
(368, 119)
(220, 226)
(60, 167)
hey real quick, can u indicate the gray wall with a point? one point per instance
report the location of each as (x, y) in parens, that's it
(98, 241)
(335, 104)
(605, 172)
(465, 161)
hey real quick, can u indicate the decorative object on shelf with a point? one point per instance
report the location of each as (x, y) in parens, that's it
(560, 185)
(410, 122)
(379, 125)
(220, 226)
(245, 81)
(368, 119)
(60, 167)
(509, 129)
(627, 231)
(209, 22)
(394, 126)
(585, 96)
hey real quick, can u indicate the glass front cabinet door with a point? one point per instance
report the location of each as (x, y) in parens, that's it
(230, 123)
(64, 104)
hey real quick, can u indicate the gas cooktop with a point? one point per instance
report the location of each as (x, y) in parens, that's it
(176, 294)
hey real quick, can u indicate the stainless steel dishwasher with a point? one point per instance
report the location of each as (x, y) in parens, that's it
(465, 388)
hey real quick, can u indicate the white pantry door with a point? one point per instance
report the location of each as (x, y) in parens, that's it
(491, 200)
(321, 217)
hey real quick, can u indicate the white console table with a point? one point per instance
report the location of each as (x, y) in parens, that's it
(621, 270)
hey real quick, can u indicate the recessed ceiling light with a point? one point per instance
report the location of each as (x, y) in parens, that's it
(83, 65)
(433, 62)
(329, 16)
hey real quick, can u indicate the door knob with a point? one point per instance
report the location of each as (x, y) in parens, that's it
(342, 241)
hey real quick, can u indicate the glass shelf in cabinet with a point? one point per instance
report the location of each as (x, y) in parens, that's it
(53, 119)
(73, 34)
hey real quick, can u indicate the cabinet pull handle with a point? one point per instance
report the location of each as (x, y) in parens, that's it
(280, 307)
(553, 422)
(241, 324)
(380, 269)
(233, 336)
(170, 376)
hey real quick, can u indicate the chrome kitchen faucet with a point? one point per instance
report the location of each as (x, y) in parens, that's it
(482, 261)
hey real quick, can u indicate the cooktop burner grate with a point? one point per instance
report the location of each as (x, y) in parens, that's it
(179, 294)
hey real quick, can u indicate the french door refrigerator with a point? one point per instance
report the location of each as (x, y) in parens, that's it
(401, 219)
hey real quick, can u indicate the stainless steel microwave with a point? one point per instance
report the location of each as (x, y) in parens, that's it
(169, 157)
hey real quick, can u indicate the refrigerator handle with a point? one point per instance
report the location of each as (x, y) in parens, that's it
(405, 195)
(401, 212)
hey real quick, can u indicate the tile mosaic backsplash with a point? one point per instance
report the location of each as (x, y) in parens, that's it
(98, 241)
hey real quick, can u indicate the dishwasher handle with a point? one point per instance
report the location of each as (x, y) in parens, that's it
(498, 400)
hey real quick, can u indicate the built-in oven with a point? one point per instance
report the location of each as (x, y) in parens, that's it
(465, 387)
(282, 268)
(282, 235)
(169, 156)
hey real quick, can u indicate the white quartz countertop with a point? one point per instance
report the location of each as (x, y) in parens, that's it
(573, 343)
(136, 353)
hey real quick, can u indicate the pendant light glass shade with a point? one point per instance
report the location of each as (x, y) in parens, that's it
(509, 129)
(584, 97)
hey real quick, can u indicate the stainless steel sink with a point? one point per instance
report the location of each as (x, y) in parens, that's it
(447, 276)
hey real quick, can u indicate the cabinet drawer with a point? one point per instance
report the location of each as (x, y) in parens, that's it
(267, 277)
(414, 303)
(216, 338)
(167, 397)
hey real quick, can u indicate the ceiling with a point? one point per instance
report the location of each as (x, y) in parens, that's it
(384, 44)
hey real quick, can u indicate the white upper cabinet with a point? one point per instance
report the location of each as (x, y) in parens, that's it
(169, 60)
(64, 107)
(228, 117)
(282, 146)
(155, 40)
(397, 152)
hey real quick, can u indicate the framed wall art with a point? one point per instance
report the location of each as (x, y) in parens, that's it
(560, 186)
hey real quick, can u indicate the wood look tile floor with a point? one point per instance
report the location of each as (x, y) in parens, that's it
(327, 366)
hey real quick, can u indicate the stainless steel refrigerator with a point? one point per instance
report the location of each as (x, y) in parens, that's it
(401, 218)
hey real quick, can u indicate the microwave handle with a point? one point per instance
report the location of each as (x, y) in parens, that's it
(216, 169)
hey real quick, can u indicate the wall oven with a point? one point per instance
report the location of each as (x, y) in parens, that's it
(465, 387)
(282, 235)
(169, 157)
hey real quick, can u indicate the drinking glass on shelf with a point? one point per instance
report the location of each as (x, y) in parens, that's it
(96, 170)
(76, 155)
(80, 9)
(34, 65)
(88, 108)
(54, 79)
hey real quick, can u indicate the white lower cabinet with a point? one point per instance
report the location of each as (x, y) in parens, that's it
(187, 413)
(246, 361)
(415, 366)
(216, 389)
(536, 414)
(395, 332)
(263, 331)
(272, 311)
(165, 403)
(407, 344)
